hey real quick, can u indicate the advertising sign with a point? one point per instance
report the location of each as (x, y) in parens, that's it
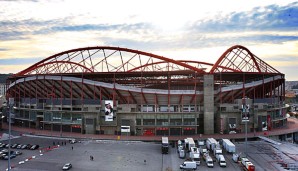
(109, 112)
(125, 128)
(245, 113)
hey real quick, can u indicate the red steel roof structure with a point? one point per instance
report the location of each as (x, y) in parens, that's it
(132, 76)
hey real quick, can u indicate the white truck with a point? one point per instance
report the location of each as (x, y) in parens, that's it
(181, 154)
(203, 150)
(195, 157)
(217, 151)
(191, 144)
(194, 150)
(201, 143)
(188, 165)
(222, 161)
(211, 143)
(164, 145)
(228, 146)
(194, 154)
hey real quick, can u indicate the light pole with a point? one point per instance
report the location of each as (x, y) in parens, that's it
(11, 103)
(1, 120)
(245, 118)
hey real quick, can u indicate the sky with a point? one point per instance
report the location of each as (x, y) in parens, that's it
(31, 30)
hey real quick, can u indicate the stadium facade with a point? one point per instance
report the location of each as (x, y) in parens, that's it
(113, 90)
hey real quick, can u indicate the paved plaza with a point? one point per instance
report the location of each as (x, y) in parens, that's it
(112, 155)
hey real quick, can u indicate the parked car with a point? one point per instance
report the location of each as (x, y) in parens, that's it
(19, 146)
(67, 166)
(24, 146)
(14, 145)
(34, 147)
(2, 145)
(18, 153)
(29, 146)
(72, 141)
(11, 156)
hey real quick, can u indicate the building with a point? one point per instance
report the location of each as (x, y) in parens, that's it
(113, 90)
(3, 88)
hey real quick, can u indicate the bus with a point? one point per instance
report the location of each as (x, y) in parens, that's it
(164, 145)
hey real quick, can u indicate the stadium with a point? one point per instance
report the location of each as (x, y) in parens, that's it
(114, 90)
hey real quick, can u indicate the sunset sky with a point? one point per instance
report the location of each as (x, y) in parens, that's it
(31, 30)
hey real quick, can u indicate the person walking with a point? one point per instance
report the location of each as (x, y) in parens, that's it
(71, 147)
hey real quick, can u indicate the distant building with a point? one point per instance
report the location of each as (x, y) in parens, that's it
(3, 88)
(290, 93)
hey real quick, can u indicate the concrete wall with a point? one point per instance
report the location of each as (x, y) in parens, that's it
(208, 104)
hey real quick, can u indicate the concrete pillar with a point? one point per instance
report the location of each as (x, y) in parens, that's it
(208, 104)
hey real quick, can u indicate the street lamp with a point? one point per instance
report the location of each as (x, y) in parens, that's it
(11, 103)
(245, 118)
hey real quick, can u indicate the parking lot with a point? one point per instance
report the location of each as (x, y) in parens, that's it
(124, 155)
(108, 155)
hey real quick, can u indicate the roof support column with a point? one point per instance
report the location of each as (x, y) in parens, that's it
(208, 104)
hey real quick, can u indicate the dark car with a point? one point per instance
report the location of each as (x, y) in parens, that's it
(11, 156)
(34, 147)
(29, 146)
(14, 145)
(67, 166)
(2, 145)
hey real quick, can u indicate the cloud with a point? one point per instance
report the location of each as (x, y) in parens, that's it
(22, 29)
(102, 27)
(283, 58)
(269, 18)
(4, 49)
(19, 61)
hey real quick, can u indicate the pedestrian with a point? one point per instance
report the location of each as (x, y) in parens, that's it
(53, 143)
(145, 162)
(72, 148)
(92, 158)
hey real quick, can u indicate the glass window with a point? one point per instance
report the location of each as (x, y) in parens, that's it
(139, 119)
(33, 115)
(149, 108)
(162, 119)
(223, 109)
(56, 117)
(26, 114)
(148, 119)
(77, 118)
(163, 108)
(175, 119)
(189, 119)
(66, 117)
(48, 116)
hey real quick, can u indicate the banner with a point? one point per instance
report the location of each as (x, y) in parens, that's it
(245, 113)
(109, 112)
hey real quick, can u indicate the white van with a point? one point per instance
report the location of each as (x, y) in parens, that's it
(188, 165)
(182, 154)
(209, 161)
(222, 161)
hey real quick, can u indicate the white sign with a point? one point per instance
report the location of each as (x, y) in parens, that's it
(125, 128)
